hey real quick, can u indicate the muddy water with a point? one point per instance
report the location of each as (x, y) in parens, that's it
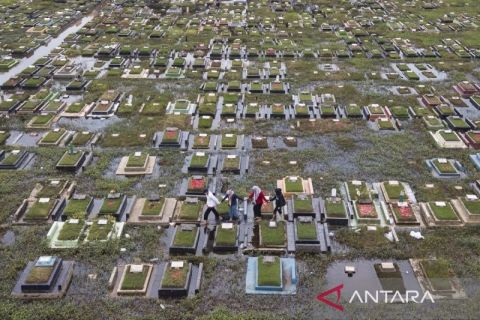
(8, 238)
(43, 51)
(365, 277)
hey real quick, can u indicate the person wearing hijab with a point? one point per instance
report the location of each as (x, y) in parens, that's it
(258, 198)
(232, 198)
(212, 203)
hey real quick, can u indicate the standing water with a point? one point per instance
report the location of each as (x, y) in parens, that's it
(43, 51)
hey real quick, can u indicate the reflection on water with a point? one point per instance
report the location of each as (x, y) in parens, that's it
(89, 124)
(365, 277)
(43, 51)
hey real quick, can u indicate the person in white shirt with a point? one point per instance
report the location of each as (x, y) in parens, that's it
(212, 203)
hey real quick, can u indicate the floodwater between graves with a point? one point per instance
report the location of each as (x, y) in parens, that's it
(365, 276)
(43, 51)
(8, 238)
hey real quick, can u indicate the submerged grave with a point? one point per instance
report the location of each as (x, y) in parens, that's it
(395, 278)
(437, 276)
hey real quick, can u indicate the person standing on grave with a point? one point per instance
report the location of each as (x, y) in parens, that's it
(258, 198)
(212, 203)
(232, 198)
(279, 203)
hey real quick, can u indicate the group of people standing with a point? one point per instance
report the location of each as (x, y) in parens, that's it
(256, 196)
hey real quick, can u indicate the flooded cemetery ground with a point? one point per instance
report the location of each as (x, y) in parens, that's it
(120, 122)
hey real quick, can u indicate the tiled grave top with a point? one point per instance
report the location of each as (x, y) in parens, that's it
(136, 268)
(45, 261)
(177, 264)
(227, 225)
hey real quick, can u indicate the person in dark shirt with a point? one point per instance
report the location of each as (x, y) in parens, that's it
(233, 201)
(279, 203)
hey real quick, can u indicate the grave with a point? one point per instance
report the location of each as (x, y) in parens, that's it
(106, 104)
(38, 211)
(459, 124)
(390, 277)
(66, 234)
(176, 279)
(84, 138)
(445, 168)
(55, 137)
(72, 161)
(302, 205)
(259, 142)
(393, 191)
(231, 141)
(48, 277)
(54, 188)
(136, 164)
(353, 111)
(199, 163)
(196, 185)
(14, 159)
(189, 210)
(181, 106)
(172, 138)
(272, 235)
(440, 213)
(295, 185)
(472, 139)
(399, 112)
(271, 275)
(78, 205)
(226, 238)
(152, 209)
(306, 231)
(358, 191)
(185, 239)
(433, 123)
(438, 277)
(374, 112)
(448, 139)
(404, 214)
(468, 208)
(203, 141)
(386, 124)
(370, 276)
(336, 212)
(103, 229)
(234, 164)
(135, 279)
(113, 205)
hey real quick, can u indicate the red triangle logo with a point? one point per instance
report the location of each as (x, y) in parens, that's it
(336, 305)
